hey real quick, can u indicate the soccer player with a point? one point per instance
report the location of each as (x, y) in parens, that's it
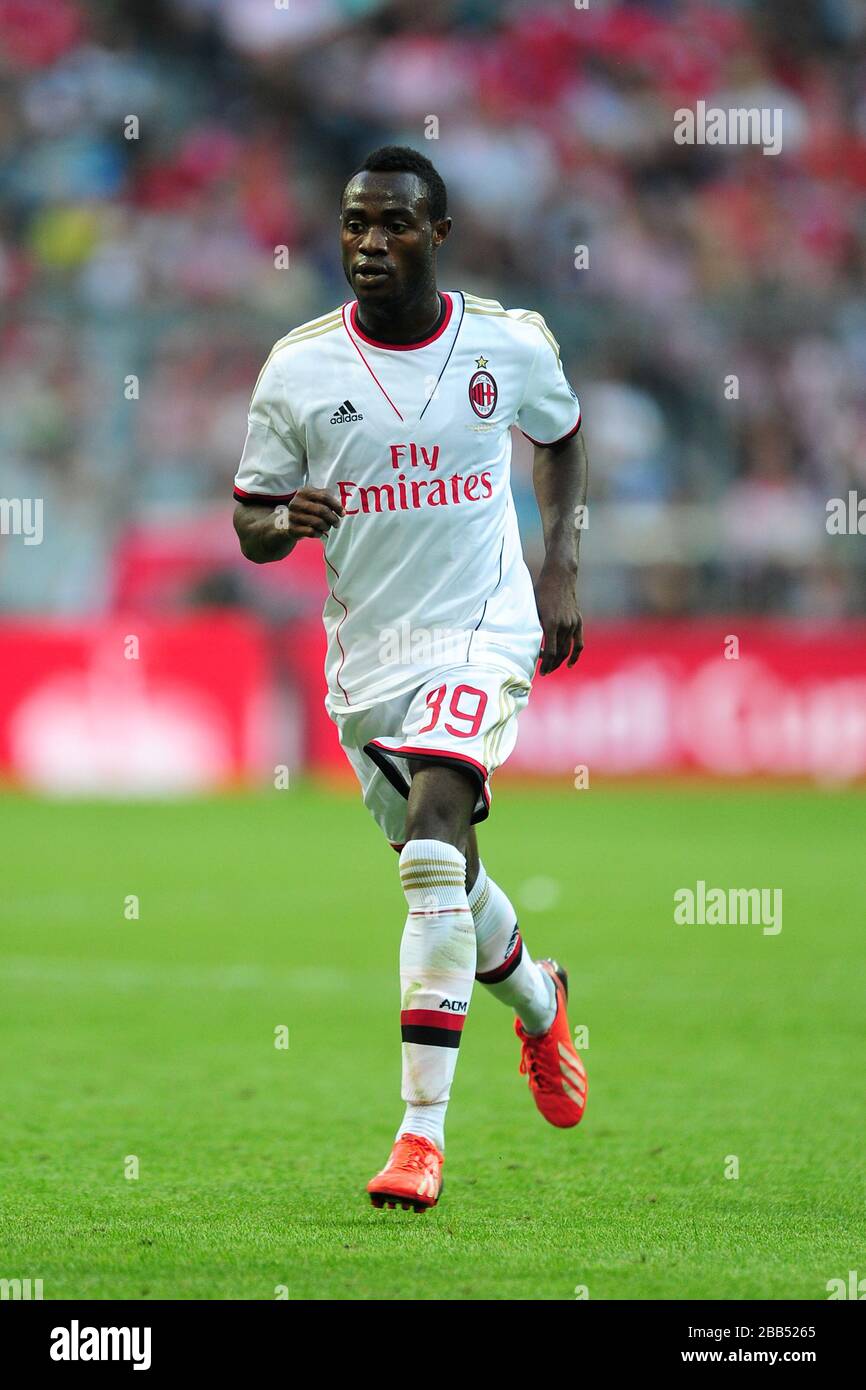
(382, 429)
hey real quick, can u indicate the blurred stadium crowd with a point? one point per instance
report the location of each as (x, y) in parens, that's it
(139, 291)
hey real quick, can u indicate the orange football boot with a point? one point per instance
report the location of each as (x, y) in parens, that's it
(557, 1078)
(412, 1176)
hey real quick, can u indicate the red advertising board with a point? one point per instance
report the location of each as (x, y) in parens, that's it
(140, 707)
(722, 699)
(135, 707)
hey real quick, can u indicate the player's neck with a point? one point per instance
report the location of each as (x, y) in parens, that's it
(403, 324)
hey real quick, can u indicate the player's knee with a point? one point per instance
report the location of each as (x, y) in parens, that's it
(436, 816)
(440, 804)
(433, 827)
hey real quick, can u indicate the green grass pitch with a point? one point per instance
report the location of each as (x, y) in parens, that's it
(155, 1038)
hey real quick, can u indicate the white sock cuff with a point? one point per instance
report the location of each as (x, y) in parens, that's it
(433, 871)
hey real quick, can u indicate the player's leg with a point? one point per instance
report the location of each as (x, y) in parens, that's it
(503, 965)
(462, 722)
(437, 951)
(537, 991)
(437, 969)
(413, 1173)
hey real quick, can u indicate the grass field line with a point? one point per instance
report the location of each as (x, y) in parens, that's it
(133, 975)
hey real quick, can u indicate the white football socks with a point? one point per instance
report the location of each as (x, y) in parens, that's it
(502, 964)
(437, 970)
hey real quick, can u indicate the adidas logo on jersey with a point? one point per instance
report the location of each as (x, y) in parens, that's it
(345, 414)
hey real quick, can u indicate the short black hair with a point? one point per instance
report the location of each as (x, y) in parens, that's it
(401, 159)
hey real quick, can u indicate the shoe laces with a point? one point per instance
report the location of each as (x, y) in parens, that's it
(412, 1155)
(538, 1062)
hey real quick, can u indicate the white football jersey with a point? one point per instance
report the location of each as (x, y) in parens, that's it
(426, 568)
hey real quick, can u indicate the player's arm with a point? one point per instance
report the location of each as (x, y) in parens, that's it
(276, 507)
(559, 476)
(268, 533)
(550, 411)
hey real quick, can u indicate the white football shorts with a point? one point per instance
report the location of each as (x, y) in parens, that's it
(465, 715)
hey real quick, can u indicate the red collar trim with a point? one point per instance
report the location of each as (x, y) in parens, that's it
(403, 347)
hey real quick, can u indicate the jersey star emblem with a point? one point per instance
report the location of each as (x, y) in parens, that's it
(481, 361)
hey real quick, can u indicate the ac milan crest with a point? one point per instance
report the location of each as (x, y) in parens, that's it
(483, 393)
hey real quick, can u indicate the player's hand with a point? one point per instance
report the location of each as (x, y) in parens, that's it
(561, 622)
(312, 512)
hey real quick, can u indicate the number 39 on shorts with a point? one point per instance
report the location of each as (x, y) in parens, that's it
(464, 710)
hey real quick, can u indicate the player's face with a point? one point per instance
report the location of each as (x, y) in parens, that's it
(387, 238)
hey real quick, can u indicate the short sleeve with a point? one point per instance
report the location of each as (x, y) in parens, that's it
(274, 461)
(550, 410)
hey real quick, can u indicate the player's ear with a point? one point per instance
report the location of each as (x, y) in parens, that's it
(441, 230)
